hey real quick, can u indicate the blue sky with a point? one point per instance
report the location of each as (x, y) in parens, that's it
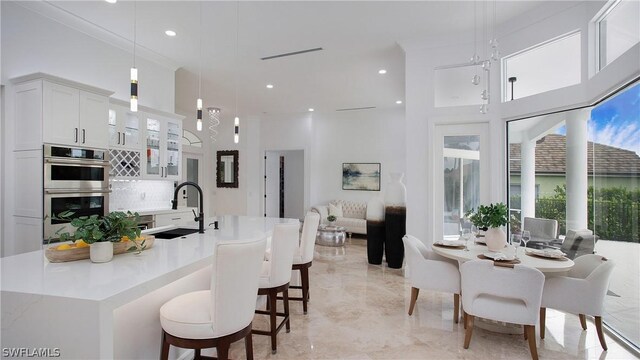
(616, 122)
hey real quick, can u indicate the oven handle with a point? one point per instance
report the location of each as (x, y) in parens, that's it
(77, 162)
(98, 191)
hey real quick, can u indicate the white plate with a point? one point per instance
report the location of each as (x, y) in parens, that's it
(492, 255)
(551, 254)
(452, 243)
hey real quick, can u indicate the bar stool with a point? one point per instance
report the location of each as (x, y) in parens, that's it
(275, 278)
(223, 314)
(304, 256)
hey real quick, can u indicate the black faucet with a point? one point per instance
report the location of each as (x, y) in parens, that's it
(174, 203)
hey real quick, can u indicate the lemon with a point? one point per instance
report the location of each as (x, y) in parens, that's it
(64, 247)
(81, 244)
(124, 238)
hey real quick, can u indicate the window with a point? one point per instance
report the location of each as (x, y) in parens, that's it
(618, 29)
(548, 66)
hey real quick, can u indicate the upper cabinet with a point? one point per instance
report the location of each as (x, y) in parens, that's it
(164, 147)
(58, 111)
(124, 128)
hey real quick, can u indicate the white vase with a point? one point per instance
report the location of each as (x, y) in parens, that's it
(375, 209)
(496, 239)
(100, 252)
(396, 193)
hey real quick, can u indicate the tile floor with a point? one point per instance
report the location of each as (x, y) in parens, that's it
(359, 311)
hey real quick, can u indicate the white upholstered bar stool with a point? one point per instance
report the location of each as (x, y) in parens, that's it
(430, 271)
(275, 278)
(303, 256)
(501, 293)
(581, 292)
(223, 314)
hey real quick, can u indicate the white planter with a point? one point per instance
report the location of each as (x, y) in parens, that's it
(100, 252)
(496, 239)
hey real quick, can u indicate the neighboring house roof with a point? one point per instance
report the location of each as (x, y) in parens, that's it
(551, 158)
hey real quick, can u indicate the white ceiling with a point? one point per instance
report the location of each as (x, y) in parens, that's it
(358, 38)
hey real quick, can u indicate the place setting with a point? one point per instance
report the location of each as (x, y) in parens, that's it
(549, 254)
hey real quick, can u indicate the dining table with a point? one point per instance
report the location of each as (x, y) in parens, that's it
(548, 266)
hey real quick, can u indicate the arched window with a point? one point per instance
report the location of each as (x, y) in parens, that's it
(191, 139)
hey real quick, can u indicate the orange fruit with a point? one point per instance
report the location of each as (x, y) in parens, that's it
(64, 247)
(81, 244)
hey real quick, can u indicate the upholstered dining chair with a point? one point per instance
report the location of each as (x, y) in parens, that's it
(430, 271)
(580, 292)
(223, 314)
(304, 256)
(275, 278)
(500, 293)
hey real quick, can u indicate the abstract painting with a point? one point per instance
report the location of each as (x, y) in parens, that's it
(361, 176)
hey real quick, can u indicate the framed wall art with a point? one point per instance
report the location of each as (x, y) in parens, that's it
(361, 176)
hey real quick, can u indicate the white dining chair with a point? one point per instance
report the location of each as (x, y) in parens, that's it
(303, 256)
(275, 278)
(581, 292)
(223, 314)
(430, 271)
(508, 294)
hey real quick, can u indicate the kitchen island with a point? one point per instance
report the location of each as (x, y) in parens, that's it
(110, 310)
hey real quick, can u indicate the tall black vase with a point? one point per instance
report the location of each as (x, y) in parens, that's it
(395, 228)
(375, 241)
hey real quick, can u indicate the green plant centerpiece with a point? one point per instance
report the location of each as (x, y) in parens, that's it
(491, 218)
(113, 227)
(331, 218)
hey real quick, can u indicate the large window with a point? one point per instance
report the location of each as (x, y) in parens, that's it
(618, 29)
(551, 65)
(582, 168)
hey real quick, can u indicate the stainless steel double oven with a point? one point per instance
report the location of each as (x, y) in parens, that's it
(75, 180)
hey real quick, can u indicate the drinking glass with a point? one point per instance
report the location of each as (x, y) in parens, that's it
(466, 235)
(474, 231)
(515, 241)
(526, 236)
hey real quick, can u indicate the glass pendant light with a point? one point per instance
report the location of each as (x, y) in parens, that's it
(199, 101)
(236, 121)
(134, 71)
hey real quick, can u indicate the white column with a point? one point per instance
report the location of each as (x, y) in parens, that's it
(577, 170)
(528, 178)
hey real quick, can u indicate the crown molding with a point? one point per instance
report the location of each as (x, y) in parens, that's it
(66, 18)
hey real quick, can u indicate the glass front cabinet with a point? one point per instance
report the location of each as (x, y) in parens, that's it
(163, 154)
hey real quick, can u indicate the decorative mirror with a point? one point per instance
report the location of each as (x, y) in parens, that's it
(227, 169)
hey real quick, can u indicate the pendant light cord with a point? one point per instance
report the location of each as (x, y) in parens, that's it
(200, 67)
(134, 32)
(237, 45)
(475, 30)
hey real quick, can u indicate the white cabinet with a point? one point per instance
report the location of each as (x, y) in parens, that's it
(74, 117)
(53, 110)
(177, 217)
(163, 154)
(124, 128)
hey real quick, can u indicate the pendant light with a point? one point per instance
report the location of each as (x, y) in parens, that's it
(236, 121)
(199, 101)
(134, 70)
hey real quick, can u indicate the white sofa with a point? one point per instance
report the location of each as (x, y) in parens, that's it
(354, 215)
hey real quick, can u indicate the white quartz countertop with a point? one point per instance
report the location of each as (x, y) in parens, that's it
(156, 211)
(128, 276)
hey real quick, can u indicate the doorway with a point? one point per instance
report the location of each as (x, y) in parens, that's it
(192, 171)
(284, 183)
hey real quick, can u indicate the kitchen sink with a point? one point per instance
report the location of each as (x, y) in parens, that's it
(174, 233)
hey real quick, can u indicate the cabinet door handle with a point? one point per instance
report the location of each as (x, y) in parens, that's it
(83, 136)
(118, 137)
(124, 138)
(76, 135)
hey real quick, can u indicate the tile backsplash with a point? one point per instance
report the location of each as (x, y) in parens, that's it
(137, 195)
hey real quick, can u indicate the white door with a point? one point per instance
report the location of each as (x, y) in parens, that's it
(60, 106)
(461, 168)
(94, 118)
(191, 171)
(272, 184)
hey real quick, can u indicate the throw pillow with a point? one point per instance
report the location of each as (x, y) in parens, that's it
(335, 210)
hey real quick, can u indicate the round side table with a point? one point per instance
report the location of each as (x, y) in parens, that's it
(331, 235)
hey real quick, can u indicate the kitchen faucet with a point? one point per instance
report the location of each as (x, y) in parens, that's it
(174, 203)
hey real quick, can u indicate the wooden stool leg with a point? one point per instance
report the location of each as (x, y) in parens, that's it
(248, 346)
(197, 354)
(223, 350)
(464, 319)
(598, 321)
(467, 336)
(543, 319)
(414, 297)
(304, 272)
(583, 321)
(456, 307)
(530, 330)
(285, 300)
(164, 349)
(272, 319)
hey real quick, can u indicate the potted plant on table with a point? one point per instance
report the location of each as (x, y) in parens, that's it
(101, 232)
(332, 220)
(491, 218)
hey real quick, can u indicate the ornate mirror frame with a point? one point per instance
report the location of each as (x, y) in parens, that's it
(220, 166)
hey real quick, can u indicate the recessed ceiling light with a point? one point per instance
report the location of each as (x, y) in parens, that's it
(398, 102)
(382, 71)
(111, 1)
(269, 86)
(170, 33)
(311, 109)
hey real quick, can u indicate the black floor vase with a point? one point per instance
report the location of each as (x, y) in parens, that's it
(375, 241)
(395, 228)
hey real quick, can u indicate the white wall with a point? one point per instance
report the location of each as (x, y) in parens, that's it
(293, 183)
(33, 43)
